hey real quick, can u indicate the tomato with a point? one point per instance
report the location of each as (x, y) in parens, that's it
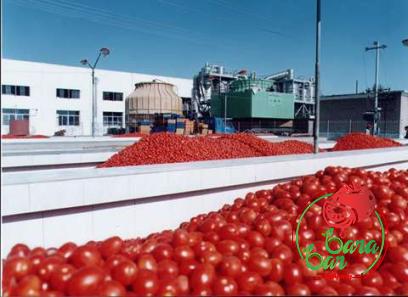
(163, 251)
(229, 231)
(367, 291)
(111, 246)
(29, 285)
(247, 215)
(400, 271)
(228, 247)
(248, 281)
(180, 237)
(60, 276)
(269, 289)
(168, 287)
(225, 286)
(147, 262)
(263, 226)
(111, 288)
(260, 265)
(125, 272)
(298, 290)
(168, 269)
(255, 239)
(86, 255)
(202, 276)
(48, 265)
(113, 261)
(213, 258)
(277, 267)
(51, 294)
(188, 266)
(283, 253)
(85, 281)
(19, 250)
(17, 267)
(230, 266)
(182, 253)
(37, 251)
(146, 283)
(292, 274)
(183, 286)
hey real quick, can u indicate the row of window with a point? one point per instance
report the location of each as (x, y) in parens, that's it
(65, 117)
(60, 93)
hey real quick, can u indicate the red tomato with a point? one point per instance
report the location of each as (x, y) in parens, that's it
(168, 287)
(180, 237)
(86, 255)
(228, 247)
(146, 283)
(163, 251)
(277, 268)
(260, 265)
(85, 281)
(225, 286)
(48, 265)
(111, 246)
(167, 269)
(114, 261)
(19, 250)
(188, 266)
(248, 281)
(255, 239)
(30, 285)
(125, 272)
(292, 274)
(213, 258)
(67, 249)
(17, 267)
(147, 262)
(182, 253)
(298, 290)
(111, 288)
(230, 266)
(60, 276)
(202, 276)
(269, 289)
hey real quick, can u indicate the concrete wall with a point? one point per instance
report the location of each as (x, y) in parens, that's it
(47, 208)
(43, 80)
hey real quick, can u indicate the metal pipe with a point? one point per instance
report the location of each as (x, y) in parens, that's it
(317, 81)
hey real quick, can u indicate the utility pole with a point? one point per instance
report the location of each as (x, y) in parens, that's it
(316, 126)
(376, 46)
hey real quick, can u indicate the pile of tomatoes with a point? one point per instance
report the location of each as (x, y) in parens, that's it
(359, 141)
(160, 148)
(245, 248)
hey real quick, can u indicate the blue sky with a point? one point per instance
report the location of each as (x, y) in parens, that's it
(176, 37)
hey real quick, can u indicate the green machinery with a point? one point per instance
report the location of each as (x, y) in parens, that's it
(252, 98)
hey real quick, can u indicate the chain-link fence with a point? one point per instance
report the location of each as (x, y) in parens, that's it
(333, 129)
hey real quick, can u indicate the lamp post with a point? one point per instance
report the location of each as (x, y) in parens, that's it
(102, 52)
(316, 126)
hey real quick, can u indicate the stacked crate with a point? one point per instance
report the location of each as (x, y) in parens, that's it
(189, 127)
(171, 125)
(180, 126)
(144, 127)
(203, 128)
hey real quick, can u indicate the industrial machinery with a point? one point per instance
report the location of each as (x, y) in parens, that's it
(277, 102)
(150, 100)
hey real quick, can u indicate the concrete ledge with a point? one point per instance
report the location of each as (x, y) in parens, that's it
(51, 207)
(25, 192)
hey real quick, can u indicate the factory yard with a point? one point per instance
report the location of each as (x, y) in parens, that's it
(148, 171)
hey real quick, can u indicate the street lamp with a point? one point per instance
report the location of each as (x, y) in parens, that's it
(102, 52)
(405, 42)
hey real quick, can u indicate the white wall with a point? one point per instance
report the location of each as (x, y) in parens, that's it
(49, 207)
(43, 80)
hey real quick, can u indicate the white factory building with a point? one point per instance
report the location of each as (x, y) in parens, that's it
(55, 97)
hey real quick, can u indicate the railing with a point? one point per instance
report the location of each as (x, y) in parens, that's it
(333, 129)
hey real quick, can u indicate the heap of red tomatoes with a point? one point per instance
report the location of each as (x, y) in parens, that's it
(245, 248)
(160, 148)
(359, 141)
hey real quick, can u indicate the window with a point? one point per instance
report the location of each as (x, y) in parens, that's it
(14, 114)
(112, 118)
(113, 96)
(15, 90)
(68, 117)
(67, 93)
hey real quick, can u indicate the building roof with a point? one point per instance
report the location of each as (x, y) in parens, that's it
(359, 95)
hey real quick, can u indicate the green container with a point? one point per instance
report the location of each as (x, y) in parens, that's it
(251, 99)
